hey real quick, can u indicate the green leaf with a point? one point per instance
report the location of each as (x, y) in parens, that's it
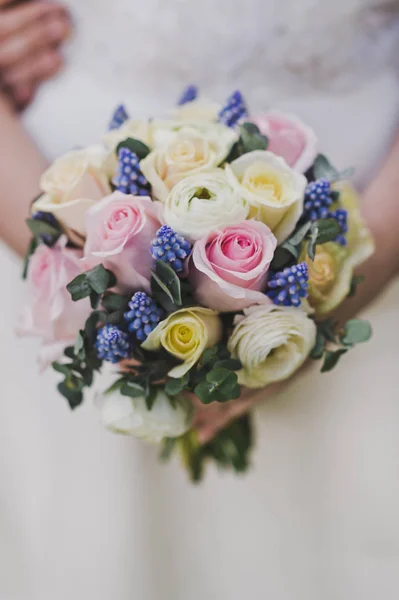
(133, 390)
(356, 280)
(319, 347)
(39, 228)
(112, 302)
(331, 359)
(209, 355)
(314, 232)
(79, 288)
(150, 397)
(356, 331)
(32, 247)
(327, 328)
(284, 256)
(327, 230)
(346, 174)
(174, 387)
(232, 364)
(206, 392)
(323, 168)
(170, 279)
(74, 396)
(300, 234)
(80, 345)
(161, 293)
(100, 279)
(116, 386)
(94, 300)
(251, 138)
(168, 445)
(60, 368)
(136, 146)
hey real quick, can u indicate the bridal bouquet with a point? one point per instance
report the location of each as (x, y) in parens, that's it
(196, 255)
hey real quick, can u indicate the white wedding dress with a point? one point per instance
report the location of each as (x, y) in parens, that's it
(88, 515)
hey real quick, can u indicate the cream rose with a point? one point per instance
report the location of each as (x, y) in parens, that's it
(184, 149)
(138, 130)
(271, 342)
(73, 184)
(204, 203)
(273, 190)
(186, 334)
(130, 416)
(200, 109)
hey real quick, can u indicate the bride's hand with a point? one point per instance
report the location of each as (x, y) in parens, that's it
(212, 418)
(30, 35)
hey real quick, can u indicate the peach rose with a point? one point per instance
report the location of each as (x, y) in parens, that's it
(230, 266)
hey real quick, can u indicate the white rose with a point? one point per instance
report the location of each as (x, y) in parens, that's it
(271, 342)
(138, 130)
(203, 203)
(274, 191)
(200, 109)
(183, 149)
(72, 185)
(130, 416)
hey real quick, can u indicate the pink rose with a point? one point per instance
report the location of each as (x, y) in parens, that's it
(51, 314)
(230, 266)
(120, 229)
(289, 138)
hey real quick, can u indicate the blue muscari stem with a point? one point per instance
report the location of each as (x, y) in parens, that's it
(143, 315)
(288, 287)
(317, 200)
(112, 344)
(46, 218)
(129, 178)
(188, 95)
(341, 216)
(118, 118)
(171, 248)
(233, 110)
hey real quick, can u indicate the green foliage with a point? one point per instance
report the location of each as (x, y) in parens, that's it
(166, 287)
(41, 228)
(230, 449)
(323, 168)
(115, 306)
(136, 146)
(356, 281)
(215, 379)
(91, 284)
(331, 343)
(321, 232)
(32, 247)
(250, 139)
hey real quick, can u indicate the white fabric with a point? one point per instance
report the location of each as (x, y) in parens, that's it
(85, 514)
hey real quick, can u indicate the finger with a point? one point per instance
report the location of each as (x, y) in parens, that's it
(39, 34)
(23, 95)
(14, 19)
(43, 65)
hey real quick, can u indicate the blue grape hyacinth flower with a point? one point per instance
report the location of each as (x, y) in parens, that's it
(129, 179)
(171, 248)
(143, 315)
(118, 118)
(233, 110)
(288, 287)
(188, 95)
(112, 344)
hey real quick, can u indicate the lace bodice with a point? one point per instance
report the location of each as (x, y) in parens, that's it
(159, 46)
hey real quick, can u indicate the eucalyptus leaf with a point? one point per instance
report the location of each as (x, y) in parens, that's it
(299, 235)
(170, 279)
(319, 347)
(100, 279)
(174, 387)
(136, 146)
(356, 331)
(327, 230)
(32, 247)
(323, 168)
(133, 390)
(79, 288)
(40, 228)
(356, 280)
(331, 359)
(112, 302)
(74, 397)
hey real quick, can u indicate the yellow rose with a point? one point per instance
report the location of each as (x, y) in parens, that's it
(331, 272)
(185, 149)
(274, 191)
(271, 342)
(186, 334)
(72, 185)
